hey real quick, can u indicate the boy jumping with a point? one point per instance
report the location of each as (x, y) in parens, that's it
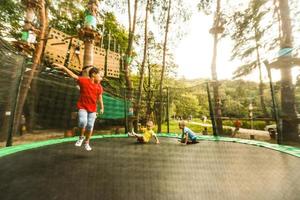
(90, 92)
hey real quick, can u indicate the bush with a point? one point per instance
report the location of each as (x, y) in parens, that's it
(258, 125)
(227, 131)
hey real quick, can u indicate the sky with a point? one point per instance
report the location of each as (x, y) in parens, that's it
(193, 53)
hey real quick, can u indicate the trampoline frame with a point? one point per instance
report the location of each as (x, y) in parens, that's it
(294, 151)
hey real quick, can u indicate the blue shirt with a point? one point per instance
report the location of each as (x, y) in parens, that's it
(189, 132)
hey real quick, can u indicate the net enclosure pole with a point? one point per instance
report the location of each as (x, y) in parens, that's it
(211, 111)
(13, 117)
(275, 110)
(125, 111)
(168, 114)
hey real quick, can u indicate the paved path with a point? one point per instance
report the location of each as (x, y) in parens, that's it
(242, 130)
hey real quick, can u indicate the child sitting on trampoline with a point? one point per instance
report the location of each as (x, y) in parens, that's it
(90, 92)
(148, 133)
(188, 136)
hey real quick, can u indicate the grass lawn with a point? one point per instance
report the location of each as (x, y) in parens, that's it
(174, 128)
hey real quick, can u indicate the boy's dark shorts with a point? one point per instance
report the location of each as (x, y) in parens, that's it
(140, 140)
(194, 141)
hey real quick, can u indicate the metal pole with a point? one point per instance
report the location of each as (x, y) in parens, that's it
(125, 111)
(211, 112)
(275, 111)
(115, 45)
(106, 57)
(12, 114)
(108, 45)
(168, 117)
(251, 119)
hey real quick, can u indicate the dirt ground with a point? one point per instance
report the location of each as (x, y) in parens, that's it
(35, 136)
(41, 135)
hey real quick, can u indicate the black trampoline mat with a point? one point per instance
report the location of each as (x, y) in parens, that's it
(119, 168)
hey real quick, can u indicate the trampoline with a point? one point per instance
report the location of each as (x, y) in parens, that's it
(119, 168)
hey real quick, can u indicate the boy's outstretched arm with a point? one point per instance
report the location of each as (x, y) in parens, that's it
(69, 72)
(156, 138)
(100, 100)
(186, 138)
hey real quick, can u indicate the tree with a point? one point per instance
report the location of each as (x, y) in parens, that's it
(163, 66)
(43, 22)
(128, 52)
(247, 36)
(187, 105)
(289, 114)
(66, 15)
(216, 30)
(131, 32)
(11, 13)
(142, 69)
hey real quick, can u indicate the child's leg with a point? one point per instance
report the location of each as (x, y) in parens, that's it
(82, 131)
(82, 121)
(139, 137)
(195, 141)
(234, 132)
(88, 135)
(91, 117)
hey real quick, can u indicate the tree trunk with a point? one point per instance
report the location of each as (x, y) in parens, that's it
(149, 93)
(215, 83)
(261, 93)
(163, 70)
(88, 59)
(29, 106)
(261, 84)
(129, 15)
(30, 115)
(279, 18)
(289, 114)
(141, 81)
(33, 72)
(131, 30)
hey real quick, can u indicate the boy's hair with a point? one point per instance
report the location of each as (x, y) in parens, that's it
(92, 71)
(149, 123)
(85, 70)
(182, 123)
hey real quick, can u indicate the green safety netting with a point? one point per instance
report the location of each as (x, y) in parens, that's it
(114, 108)
(11, 64)
(294, 151)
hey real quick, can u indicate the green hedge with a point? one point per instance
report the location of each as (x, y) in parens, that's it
(258, 125)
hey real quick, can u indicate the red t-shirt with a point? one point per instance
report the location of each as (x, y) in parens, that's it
(89, 93)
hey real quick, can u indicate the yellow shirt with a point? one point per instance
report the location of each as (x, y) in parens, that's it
(147, 134)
